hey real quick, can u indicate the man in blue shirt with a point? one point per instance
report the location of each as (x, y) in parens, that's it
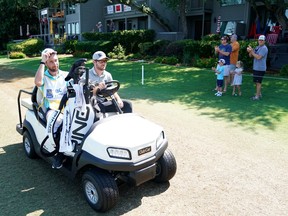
(224, 50)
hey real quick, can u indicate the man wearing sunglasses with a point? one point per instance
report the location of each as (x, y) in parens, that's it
(100, 76)
(224, 50)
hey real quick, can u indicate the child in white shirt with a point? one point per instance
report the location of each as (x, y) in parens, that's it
(237, 81)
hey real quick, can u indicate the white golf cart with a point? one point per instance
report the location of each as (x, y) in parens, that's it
(108, 151)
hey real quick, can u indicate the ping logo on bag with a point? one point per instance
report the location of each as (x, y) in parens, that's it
(79, 126)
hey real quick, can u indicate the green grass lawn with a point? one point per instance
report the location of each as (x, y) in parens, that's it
(191, 87)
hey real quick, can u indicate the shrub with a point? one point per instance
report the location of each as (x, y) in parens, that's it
(171, 60)
(205, 62)
(69, 46)
(60, 49)
(127, 38)
(207, 48)
(159, 46)
(190, 50)
(135, 56)
(158, 59)
(82, 54)
(176, 49)
(30, 47)
(243, 55)
(146, 48)
(284, 70)
(118, 52)
(153, 48)
(93, 46)
(16, 55)
(212, 37)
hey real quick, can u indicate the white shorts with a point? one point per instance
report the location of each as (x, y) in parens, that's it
(232, 68)
(226, 70)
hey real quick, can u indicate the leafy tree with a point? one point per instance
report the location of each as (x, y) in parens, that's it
(180, 6)
(276, 7)
(16, 13)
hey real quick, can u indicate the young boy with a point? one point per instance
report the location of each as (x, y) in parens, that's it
(219, 71)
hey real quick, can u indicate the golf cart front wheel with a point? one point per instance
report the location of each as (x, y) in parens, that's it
(166, 167)
(100, 190)
(28, 145)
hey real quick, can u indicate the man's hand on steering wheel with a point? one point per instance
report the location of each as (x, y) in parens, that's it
(96, 88)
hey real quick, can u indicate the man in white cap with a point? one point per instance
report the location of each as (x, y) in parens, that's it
(51, 82)
(99, 75)
(259, 55)
(52, 85)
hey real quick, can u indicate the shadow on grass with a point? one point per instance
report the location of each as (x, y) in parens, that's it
(193, 88)
(33, 187)
(189, 86)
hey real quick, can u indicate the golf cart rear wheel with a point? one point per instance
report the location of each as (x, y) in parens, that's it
(28, 146)
(100, 190)
(166, 167)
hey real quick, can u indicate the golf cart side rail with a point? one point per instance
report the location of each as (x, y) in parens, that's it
(19, 127)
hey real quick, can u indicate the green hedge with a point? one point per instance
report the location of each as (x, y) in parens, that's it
(30, 47)
(129, 39)
(93, 46)
(284, 70)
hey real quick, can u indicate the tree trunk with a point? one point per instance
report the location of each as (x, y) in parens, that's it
(183, 20)
(281, 18)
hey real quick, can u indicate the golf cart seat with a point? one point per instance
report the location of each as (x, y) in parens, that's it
(40, 112)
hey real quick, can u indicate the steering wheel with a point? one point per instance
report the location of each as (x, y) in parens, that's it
(111, 87)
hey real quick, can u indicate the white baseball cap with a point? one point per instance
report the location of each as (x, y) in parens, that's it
(99, 55)
(49, 50)
(222, 61)
(261, 37)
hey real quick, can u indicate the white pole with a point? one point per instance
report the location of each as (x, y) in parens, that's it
(142, 74)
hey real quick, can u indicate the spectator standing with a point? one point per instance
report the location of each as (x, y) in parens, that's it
(111, 26)
(237, 78)
(234, 55)
(99, 26)
(259, 55)
(224, 50)
(219, 72)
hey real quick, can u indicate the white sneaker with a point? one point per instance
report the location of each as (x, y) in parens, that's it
(219, 94)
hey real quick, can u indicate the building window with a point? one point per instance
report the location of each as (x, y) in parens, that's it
(231, 2)
(229, 28)
(70, 8)
(73, 28)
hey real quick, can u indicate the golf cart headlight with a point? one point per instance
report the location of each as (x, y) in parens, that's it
(119, 153)
(160, 140)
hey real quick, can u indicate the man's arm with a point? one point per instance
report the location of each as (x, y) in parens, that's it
(39, 75)
(40, 72)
